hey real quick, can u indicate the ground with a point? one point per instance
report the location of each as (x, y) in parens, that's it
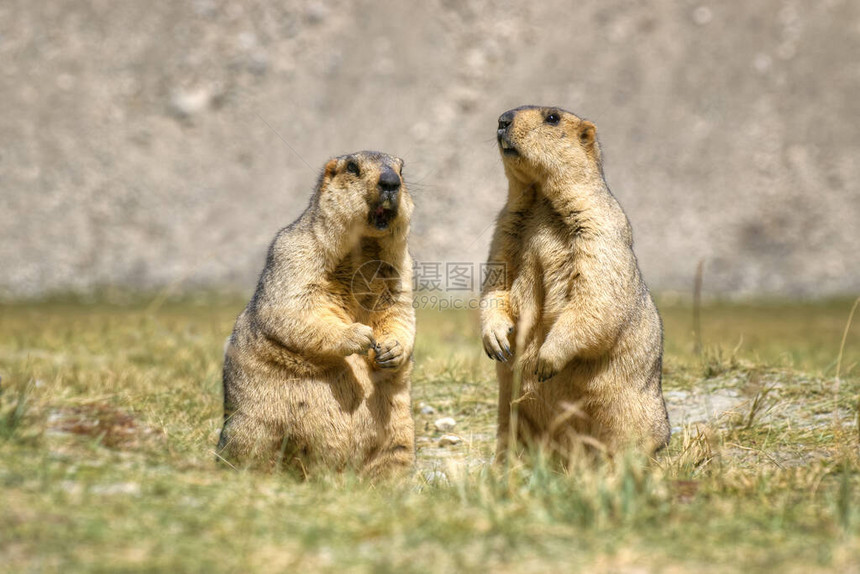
(109, 414)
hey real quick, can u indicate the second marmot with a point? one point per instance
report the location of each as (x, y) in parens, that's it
(317, 370)
(571, 292)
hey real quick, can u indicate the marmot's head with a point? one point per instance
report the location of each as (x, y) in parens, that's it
(536, 142)
(367, 189)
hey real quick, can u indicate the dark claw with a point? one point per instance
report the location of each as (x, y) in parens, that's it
(501, 357)
(508, 350)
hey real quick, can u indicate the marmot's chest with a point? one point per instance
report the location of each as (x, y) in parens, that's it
(367, 284)
(547, 265)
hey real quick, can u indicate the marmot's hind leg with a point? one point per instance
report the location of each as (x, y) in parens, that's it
(393, 459)
(395, 454)
(246, 439)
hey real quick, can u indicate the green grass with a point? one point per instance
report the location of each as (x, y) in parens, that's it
(109, 415)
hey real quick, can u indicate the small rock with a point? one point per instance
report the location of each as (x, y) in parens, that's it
(426, 409)
(449, 440)
(445, 424)
(186, 103)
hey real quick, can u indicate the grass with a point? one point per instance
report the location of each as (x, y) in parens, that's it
(109, 413)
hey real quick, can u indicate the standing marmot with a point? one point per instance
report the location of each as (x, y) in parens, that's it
(572, 294)
(317, 370)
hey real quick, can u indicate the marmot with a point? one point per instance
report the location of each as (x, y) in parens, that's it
(317, 369)
(591, 340)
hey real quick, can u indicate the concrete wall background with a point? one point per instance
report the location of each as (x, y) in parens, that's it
(145, 144)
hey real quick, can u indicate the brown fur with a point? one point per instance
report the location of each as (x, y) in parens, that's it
(572, 311)
(306, 385)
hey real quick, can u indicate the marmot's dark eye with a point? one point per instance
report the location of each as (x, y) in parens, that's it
(553, 119)
(352, 168)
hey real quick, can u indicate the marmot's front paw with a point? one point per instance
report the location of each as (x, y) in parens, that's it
(389, 355)
(495, 334)
(358, 339)
(548, 366)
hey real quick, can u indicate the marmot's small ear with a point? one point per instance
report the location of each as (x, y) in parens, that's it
(588, 139)
(587, 133)
(330, 169)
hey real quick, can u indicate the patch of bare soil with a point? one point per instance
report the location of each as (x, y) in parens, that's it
(112, 427)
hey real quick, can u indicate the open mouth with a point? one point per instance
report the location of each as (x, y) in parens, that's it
(382, 214)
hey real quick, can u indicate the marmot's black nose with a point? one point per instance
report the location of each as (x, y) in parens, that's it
(389, 180)
(506, 119)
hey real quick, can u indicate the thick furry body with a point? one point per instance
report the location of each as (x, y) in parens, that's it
(571, 313)
(317, 370)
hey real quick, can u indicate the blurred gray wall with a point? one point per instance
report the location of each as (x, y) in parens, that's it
(147, 144)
